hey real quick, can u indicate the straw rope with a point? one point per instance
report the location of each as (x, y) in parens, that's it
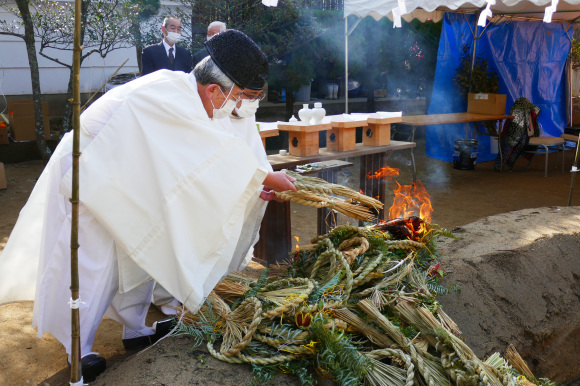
(241, 358)
(351, 253)
(358, 212)
(238, 334)
(283, 346)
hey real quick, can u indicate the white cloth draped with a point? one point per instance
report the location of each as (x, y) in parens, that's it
(164, 192)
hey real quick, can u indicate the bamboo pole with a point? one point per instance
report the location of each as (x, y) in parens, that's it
(76, 370)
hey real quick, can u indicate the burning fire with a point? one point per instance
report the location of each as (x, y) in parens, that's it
(386, 173)
(411, 200)
(297, 240)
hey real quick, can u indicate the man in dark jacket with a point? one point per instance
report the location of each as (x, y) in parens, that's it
(215, 27)
(167, 55)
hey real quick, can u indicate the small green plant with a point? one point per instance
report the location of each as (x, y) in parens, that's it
(481, 80)
(575, 53)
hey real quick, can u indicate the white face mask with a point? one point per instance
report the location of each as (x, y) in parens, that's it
(226, 108)
(248, 108)
(173, 37)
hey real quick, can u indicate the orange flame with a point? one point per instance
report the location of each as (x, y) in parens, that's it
(297, 240)
(411, 200)
(386, 173)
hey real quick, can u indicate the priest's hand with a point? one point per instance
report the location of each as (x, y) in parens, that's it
(277, 182)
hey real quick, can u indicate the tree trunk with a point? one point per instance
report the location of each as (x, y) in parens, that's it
(136, 29)
(66, 124)
(35, 78)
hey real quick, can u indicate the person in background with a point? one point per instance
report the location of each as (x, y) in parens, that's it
(215, 27)
(167, 54)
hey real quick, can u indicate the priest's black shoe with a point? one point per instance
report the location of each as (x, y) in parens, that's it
(92, 365)
(162, 328)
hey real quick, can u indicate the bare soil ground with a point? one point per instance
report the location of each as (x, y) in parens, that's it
(492, 310)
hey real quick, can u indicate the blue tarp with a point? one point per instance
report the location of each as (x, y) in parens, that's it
(529, 57)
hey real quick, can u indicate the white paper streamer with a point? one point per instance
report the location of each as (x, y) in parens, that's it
(270, 3)
(574, 169)
(402, 7)
(79, 383)
(550, 11)
(485, 13)
(75, 304)
(397, 18)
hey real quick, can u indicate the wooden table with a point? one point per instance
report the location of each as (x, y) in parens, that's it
(267, 132)
(442, 119)
(303, 137)
(451, 118)
(275, 233)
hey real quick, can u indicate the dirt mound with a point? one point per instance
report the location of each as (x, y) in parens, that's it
(519, 274)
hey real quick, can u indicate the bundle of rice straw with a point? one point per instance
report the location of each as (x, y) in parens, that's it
(319, 193)
(514, 359)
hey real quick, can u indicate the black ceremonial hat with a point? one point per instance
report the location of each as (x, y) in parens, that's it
(240, 58)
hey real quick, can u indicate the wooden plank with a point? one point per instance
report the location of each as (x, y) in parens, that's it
(440, 119)
(303, 127)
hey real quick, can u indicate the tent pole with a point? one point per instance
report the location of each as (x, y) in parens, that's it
(346, 65)
(473, 53)
(574, 171)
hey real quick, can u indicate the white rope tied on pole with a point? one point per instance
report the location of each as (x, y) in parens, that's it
(485, 13)
(550, 10)
(574, 169)
(79, 383)
(75, 304)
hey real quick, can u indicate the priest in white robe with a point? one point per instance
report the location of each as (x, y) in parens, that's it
(164, 196)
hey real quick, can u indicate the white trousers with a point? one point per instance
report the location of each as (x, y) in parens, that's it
(98, 279)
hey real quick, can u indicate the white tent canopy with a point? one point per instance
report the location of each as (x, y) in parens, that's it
(423, 9)
(566, 11)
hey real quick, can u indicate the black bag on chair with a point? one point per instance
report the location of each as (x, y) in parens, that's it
(516, 132)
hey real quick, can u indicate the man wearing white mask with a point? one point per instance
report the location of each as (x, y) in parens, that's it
(167, 54)
(165, 196)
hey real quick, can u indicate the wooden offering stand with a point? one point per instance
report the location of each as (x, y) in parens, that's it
(267, 134)
(378, 132)
(302, 137)
(342, 136)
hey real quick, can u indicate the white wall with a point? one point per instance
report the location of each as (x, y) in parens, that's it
(15, 73)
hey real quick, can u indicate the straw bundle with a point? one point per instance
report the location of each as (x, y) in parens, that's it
(393, 331)
(287, 295)
(214, 308)
(377, 337)
(230, 291)
(517, 361)
(318, 185)
(357, 212)
(319, 193)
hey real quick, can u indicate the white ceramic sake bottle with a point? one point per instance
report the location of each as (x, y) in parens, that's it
(318, 113)
(305, 114)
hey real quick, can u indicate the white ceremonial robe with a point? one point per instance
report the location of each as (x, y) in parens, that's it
(163, 195)
(246, 129)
